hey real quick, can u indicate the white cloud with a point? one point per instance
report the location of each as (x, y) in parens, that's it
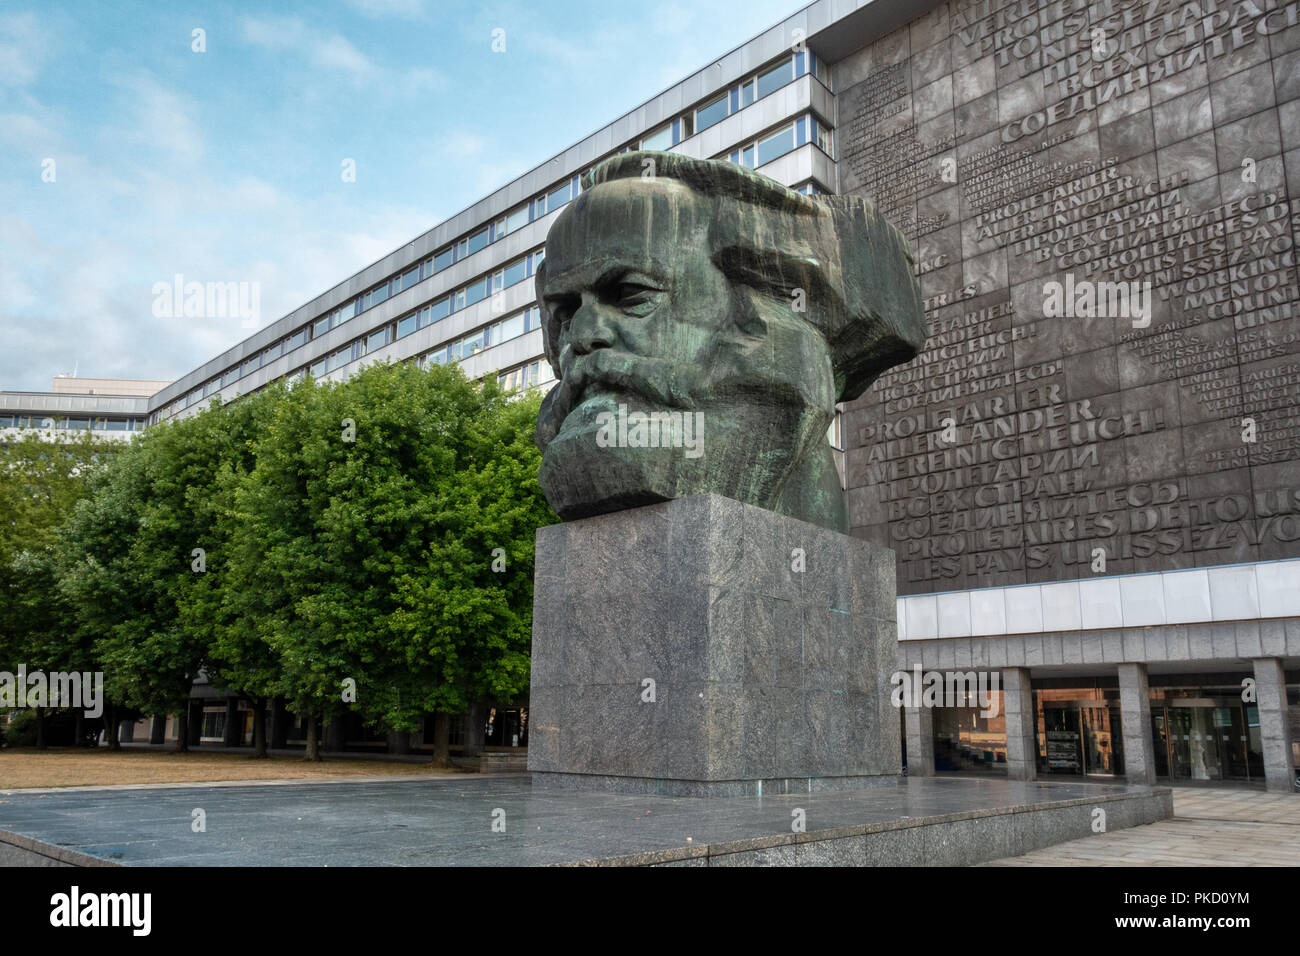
(160, 118)
(405, 9)
(24, 48)
(336, 53)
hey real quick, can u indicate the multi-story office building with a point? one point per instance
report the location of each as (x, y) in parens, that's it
(1092, 475)
(107, 407)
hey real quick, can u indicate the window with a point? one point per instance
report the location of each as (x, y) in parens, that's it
(776, 145)
(377, 340)
(410, 278)
(532, 318)
(214, 725)
(477, 241)
(516, 219)
(211, 387)
(516, 272)
(712, 113)
(409, 324)
(298, 338)
(321, 326)
(475, 293)
(509, 328)
(319, 368)
(557, 198)
(522, 377)
(775, 78)
(252, 365)
(661, 138)
(375, 296)
(442, 260)
(439, 311)
(229, 376)
(273, 353)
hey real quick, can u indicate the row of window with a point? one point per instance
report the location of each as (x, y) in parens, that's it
(525, 376)
(73, 424)
(486, 337)
(750, 90)
(491, 284)
(806, 129)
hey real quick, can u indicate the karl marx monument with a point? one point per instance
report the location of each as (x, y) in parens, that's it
(703, 625)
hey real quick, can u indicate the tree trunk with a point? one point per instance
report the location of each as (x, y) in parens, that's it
(441, 736)
(259, 728)
(41, 742)
(110, 728)
(313, 740)
(183, 731)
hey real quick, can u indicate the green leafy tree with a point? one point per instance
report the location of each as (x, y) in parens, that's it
(144, 558)
(371, 516)
(42, 478)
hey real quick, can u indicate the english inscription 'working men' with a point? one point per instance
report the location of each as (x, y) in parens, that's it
(701, 296)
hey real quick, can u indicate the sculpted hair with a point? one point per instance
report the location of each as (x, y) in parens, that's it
(854, 268)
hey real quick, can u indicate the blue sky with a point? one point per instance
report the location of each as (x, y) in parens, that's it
(225, 165)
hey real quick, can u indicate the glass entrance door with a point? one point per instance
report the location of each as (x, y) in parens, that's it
(1194, 746)
(1101, 753)
(1207, 739)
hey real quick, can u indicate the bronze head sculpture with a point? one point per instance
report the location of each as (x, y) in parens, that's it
(703, 321)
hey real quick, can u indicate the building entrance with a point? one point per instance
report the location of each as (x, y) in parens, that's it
(1207, 739)
(1083, 737)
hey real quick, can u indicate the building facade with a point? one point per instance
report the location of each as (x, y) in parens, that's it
(1091, 476)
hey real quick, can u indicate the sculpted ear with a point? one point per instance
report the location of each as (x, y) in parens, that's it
(883, 323)
(550, 328)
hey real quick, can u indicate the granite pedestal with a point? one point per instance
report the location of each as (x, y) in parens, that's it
(705, 647)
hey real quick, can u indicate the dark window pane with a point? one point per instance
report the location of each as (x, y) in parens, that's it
(774, 79)
(407, 325)
(477, 292)
(516, 272)
(442, 260)
(714, 112)
(478, 241)
(377, 295)
(410, 278)
(776, 146)
(557, 198)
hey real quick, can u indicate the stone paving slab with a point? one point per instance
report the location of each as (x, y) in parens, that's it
(1209, 828)
(448, 821)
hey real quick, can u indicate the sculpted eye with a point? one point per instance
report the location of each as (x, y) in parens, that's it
(635, 295)
(562, 308)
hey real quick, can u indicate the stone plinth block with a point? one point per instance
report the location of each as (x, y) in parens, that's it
(707, 647)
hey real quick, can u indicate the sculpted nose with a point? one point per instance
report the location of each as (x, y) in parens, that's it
(591, 328)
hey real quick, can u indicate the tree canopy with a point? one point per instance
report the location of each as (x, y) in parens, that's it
(364, 545)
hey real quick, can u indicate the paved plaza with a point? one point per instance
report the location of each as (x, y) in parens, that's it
(503, 821)
(1210, 827)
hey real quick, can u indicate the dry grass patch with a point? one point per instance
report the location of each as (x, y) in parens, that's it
(74, 767)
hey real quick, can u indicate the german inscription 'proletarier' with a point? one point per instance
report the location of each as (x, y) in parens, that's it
(1135, 155)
